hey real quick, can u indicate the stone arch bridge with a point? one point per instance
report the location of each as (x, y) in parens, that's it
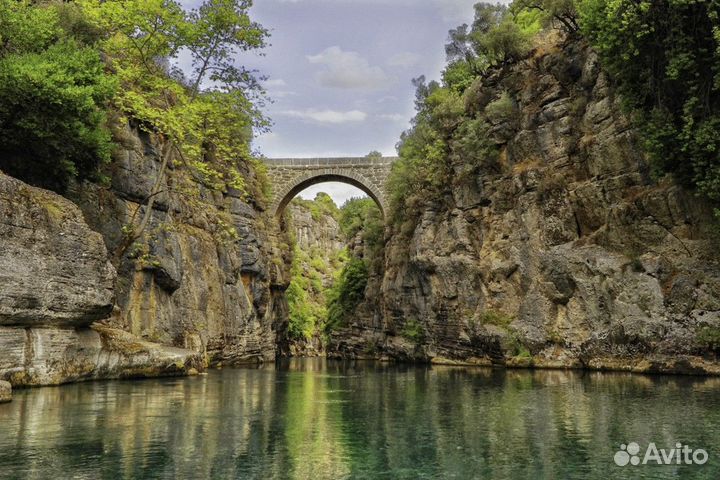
(290, 176)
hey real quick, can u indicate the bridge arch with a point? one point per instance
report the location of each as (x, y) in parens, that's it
(309, 179)
(291, 176)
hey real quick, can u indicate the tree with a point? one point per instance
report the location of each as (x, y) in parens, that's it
(216, 32)
(461, 50)
(503, 43)
(347, 293)
(487, 17)
(493, 38)
(562, 11)
(665, 59)
(53, 94)
(206, 115)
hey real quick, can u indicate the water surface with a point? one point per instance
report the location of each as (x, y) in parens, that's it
(312, 419)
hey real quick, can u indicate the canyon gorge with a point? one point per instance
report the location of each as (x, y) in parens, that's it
(565, 252)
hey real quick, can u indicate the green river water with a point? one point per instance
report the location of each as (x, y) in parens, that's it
(316, 419)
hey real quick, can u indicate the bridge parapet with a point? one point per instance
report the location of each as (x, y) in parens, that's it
(330, 161)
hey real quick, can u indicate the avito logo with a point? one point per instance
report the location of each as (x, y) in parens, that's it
(680, 455)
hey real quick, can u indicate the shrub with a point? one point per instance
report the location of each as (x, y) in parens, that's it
(446, 130)
(504, 43)
(472, 145)
(322, 205)
(710, 337)
(496, 317)
(362, 215)
(664, 59)
(53, 92)
(347, 293)
(413, 331)
(458, 75)
(562, 12)
(501, 110)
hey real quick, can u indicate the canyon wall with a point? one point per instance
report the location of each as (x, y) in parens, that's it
(202, 284)
(317, 260)
(566, 254)
(207, 273)
(56, 282)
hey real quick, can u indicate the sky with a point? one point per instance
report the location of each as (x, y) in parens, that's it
(339, 73)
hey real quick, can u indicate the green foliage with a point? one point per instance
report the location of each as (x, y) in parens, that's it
(60, 64)
(549, 12)
(665, 58)
(346, 293)
(471, 146)
(24, 29)
(458, 76)
(448, 140)
(497, 318)
(53, 91)
(413, 331)
(710, 337)
(207, 111)
(521, 351)
(493, 38)
(314, 309)
(501, 110)
(463, 41)
(322, 205)
(303, 315)
(305, 296)
(443, 133)
(361, 214)
(506, 42)
(318, 264)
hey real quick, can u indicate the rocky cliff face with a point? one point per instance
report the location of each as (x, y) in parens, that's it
(316, 259)
(569, 256)
(314, 232)
(208, 272)
(203, 284)
(56, 281)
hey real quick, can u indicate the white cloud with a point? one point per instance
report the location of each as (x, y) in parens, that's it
(326, 116)
(348, 70)
(404, 60)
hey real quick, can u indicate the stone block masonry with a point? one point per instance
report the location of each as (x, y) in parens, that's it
(290, 176)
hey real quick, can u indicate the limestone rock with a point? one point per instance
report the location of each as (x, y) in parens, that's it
(321, 233)
(571, 256)
(318, 238)
(52, 356)
(208, 273)
(5, 392)
(53, 269)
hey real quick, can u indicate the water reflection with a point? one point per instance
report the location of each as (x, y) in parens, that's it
(311, 419)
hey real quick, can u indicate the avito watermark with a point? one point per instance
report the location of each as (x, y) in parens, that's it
(679, 455)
